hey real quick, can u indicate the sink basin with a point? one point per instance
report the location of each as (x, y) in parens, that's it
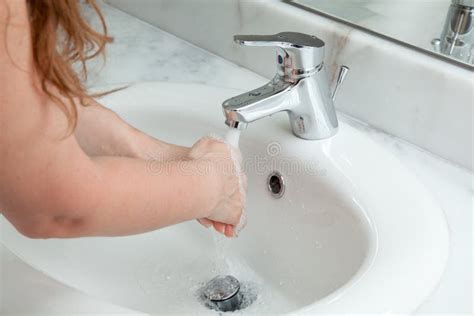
(354, 231)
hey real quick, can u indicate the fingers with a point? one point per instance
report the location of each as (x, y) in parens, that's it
(205, 222)
(229, 231)
(219, 227)
(225, 229)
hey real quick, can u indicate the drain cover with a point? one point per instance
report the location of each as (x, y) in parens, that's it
(222, 288)
(224, 294)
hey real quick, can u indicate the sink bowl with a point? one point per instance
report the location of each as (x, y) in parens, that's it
(354, 231)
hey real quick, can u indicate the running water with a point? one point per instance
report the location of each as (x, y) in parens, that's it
(224, 261)
(171, 286)
(232, 137)
(221, 243)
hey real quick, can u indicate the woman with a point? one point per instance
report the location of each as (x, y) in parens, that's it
(70, 167)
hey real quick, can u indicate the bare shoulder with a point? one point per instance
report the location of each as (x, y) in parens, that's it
(14, 28)
(13, 10)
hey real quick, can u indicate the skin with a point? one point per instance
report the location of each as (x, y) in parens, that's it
(56, 186)
(101, 132)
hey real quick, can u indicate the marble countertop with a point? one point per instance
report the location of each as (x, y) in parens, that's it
(140, 53)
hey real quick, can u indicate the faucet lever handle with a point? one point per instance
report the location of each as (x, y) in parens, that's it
(283, 40)
(298, 52)
(340, 79)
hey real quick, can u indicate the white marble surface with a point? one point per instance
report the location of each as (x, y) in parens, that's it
(143, 53)
(406, 93)
(24, 291)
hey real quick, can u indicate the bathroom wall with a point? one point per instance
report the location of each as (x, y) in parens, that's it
(407, 93)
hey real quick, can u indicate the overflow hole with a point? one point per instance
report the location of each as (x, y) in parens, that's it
(276, 184)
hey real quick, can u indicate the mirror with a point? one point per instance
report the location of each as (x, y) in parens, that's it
(443, 27)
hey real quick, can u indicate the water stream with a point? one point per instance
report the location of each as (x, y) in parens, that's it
(232, 137)
(221, 243)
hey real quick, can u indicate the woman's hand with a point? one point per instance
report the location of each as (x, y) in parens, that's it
(224, 160)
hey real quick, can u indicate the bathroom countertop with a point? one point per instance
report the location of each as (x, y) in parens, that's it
(140, 53)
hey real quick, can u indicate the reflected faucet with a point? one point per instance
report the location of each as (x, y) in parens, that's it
(457, 37)
(300, 87)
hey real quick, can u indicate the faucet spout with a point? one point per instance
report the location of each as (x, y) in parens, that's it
(258, 103)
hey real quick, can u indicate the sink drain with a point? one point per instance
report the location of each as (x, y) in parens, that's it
(225, 294)
(276, 184)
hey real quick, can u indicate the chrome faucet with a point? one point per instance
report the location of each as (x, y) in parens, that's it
(457, 37)
(300, 87)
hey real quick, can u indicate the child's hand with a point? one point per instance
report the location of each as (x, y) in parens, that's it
(226, 229)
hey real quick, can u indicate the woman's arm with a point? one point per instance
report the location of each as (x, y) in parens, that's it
(101, 132)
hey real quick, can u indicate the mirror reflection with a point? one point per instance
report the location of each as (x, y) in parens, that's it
(440, 26)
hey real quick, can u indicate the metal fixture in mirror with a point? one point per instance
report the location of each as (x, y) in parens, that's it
(457, 37)
(443, 28)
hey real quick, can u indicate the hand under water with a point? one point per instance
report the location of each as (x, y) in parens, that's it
(226, 215)
(124, 140)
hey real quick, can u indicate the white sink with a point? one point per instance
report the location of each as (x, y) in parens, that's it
(354, 231)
